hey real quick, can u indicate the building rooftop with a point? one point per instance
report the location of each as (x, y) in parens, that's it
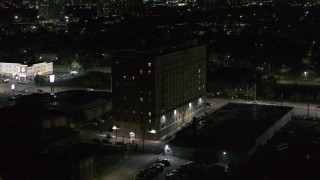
(68, 101)
(147, 50)
(234, 126)
(52, 134)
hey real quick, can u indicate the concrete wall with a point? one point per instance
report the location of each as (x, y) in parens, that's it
(268, 134)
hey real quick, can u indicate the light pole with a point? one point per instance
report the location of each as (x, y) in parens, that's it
(129, 146)
(153, 132)
(143, 131)
(143, 135)
(255, 92)
(115, 128)
(131, 135)
(12, 88)
(51, 77)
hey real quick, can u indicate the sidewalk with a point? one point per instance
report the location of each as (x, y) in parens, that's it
(128, 169)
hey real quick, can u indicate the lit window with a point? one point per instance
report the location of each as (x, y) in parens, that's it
(141, 99)
(149, 114)
(133, 77)
(141, 72)
(199, 70)
(149, 121)
(149, 71)
(149, 64)
(124, 77)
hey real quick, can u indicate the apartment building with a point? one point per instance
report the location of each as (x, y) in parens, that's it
(157, 91)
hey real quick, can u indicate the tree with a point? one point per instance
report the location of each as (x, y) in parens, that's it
(66, 56)
(75, 65)
(39, 80)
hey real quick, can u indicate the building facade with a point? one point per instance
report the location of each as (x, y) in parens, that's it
(154, 94)
(22, 71)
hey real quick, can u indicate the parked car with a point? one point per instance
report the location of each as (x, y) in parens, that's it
(171, 176)
(119, 143)
(142, 175)
(101, 120)
(152, 172)
(187, 165)
(158, 169)
(168, 137)
(281, 147)
(160, 164)
(166, 162)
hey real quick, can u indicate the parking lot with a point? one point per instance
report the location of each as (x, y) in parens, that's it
(175, 163)
(293, 153)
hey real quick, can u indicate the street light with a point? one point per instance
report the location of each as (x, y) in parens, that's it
(12, 88)
(51, 77)
(115, 128)
(152, 131)
(143, 131)
(131, 134)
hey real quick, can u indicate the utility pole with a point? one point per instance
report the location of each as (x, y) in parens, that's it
(247, 93)
(255, 92)
(129, 146)
(143, 139)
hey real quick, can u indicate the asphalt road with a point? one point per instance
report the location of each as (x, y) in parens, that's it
(304, 109)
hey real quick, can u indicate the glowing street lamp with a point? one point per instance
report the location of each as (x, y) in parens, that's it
(52, 78)
(12, 88)
(115, 128)
(153, 131)
(143, 131)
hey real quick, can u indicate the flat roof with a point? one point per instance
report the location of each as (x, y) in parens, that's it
(234, 126)
(68, 101)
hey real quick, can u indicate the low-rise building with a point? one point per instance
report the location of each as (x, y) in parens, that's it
(232, 134)
(23, 71)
